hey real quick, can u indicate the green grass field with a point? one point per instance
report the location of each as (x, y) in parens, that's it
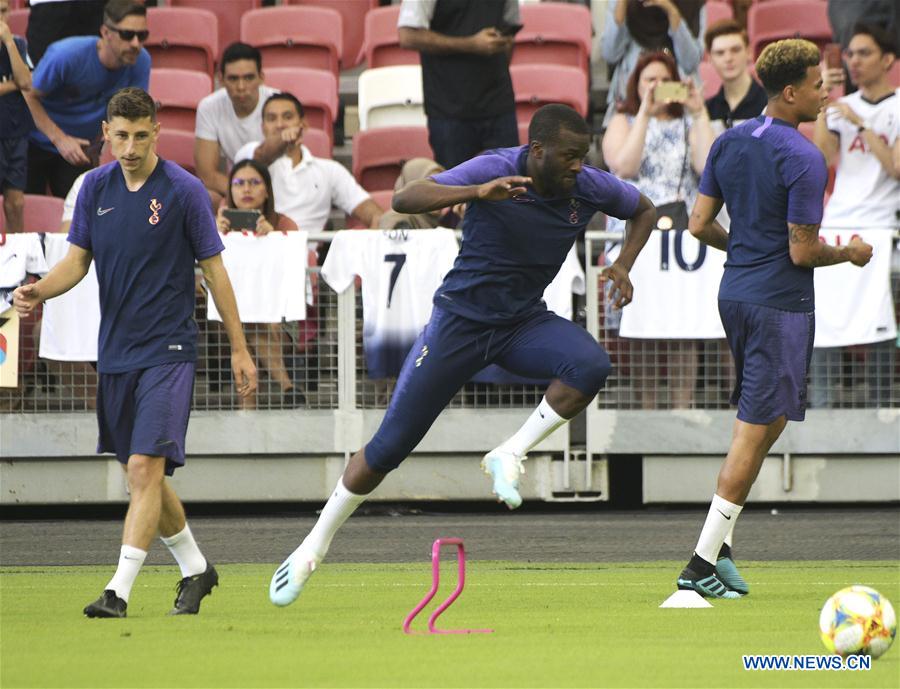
(555, 626)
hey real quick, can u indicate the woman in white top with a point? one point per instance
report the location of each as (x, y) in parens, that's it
(661, 147)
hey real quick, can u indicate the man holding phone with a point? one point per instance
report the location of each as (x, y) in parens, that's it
(70, 89)
(465, 49)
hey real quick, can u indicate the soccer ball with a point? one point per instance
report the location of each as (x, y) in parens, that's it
(857, 620)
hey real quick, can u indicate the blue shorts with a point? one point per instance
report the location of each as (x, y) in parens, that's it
(13, 163)
(146, 412)
(772, 349)
(452, 349)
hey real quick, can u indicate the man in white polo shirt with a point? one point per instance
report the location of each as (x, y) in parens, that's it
(305, 187)
(860, 135)
(230, 117)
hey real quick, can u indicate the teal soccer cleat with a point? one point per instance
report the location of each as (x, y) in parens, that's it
(290, 577)
(708, 587)
(505, 468)
(729, 575)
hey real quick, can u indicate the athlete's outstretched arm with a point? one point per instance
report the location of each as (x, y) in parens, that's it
(220, 287)
(426, 195)
(63, 277)
(806, 250)
(640, 226)
(703, 224)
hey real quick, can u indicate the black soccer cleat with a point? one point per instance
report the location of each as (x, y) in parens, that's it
(192, 590)
(107, 605)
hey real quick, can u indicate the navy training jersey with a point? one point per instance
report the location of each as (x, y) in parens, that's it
(144, 244)
(511, 250)
(769, 174)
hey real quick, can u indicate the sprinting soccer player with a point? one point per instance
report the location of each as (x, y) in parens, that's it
(526, 207)
(144, 221)
(773, 181)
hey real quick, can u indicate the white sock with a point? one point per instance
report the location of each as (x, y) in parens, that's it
(340, 505)
(729, 537)
(719, 521)
(542, 422)
(185, 551)
(130, 561)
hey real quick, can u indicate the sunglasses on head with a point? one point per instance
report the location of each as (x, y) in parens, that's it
(128, 34)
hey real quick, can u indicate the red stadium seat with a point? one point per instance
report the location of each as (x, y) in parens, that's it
(894, 74)
(178, 147)
(318, 143)
(18, 21)
(382, 198)
(778, 19)
(228, 12)
(317, 89)
(353, 13)
(523, 133)
(718, 10)
(177, 93)
(537, 85)
(183, 38)
(295, 36)
(712, 82)
(42, 213)
(381, 41)
(378, 154)
(554, 33)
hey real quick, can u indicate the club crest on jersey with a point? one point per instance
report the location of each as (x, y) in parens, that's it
(155, 208)
(573, 211)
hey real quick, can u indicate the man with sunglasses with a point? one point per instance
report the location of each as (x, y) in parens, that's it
(70, 89)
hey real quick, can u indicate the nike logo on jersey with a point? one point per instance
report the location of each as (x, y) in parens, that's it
(104, 211)
(723, 514)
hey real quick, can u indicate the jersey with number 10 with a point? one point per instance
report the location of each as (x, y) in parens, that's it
(400, 269)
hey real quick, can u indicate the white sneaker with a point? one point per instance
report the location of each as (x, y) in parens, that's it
(505, 468)
(289, 578)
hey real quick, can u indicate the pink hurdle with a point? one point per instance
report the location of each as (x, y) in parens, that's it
(435, 583)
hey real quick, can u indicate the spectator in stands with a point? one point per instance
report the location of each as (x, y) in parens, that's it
(413, 170)
(661, 147)
(465, 49)
(230, 117)
(635, 26)
(740, 97)
(250, 188)
(15, 122)
(52, 20)
(859, 134)
(305, 187)
(71, 87)
(844, 16)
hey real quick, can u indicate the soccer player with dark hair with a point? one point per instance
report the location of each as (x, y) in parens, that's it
(526, 207)
(144, 221)
(773, 182)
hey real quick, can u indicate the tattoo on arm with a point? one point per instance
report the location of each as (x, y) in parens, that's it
(823, 255)
(803, 234)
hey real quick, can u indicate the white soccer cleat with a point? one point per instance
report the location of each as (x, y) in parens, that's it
(505, 468)
(289, 578)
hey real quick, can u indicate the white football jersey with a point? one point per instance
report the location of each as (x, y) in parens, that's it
(400, 271)
(20, 255)
(865, 195)
(268, 275)
(71, 325)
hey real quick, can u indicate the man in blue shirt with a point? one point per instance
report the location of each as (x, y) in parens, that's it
(15, 121)
(71, 87)
(773, 181)
(145, 221)
(526, 207)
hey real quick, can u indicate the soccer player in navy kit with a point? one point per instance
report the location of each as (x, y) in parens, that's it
(144, 221)
(773, 181)
(526, 206)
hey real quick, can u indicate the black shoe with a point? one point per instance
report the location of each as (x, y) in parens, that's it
(191, 590)
(107, 605)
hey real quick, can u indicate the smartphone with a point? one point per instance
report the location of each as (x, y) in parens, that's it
(670, 91)
(509, 29)
(241, 219)
(832, 53)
